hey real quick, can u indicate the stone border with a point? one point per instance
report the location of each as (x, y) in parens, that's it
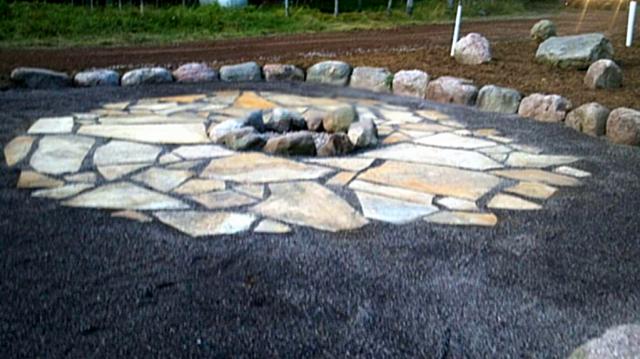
(591, 119)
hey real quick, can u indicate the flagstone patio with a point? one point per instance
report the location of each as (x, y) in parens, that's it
(152, 159)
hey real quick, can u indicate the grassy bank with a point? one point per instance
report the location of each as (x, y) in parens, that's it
(40, 24)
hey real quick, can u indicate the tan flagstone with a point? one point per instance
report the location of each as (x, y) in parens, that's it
(457, 204)
(526, 148)
(536, 175)
(486, 132)
(181, 113)
(85, 177)
(155, 133)
(500, 149)
(202, 151)
(32, 179)
(521, 159)
(571, 171)
(253, 190)
(169, 158)
(433, 115)
(386, 106)
(499, 157)
(506, 201)
(432, 179)
(16, 150)
(417, 134)
(112, 172)
(52, 125)
(392, 210)
(185, 165)
(124, 195)
(197, 224)
(500, 139)
(123, 152)
(392, 192)
(183, 98)
(62, 192)
(400, 117)
(385, 130)
(463, 218)
(250, 99)
(424, 127)
(163, 179)
(235, 112)
(298, 101)
(227, 96)
(60, 154)
(463, 132)
(120, 106)
(271, 226)
(396, 137)
(223, 199)
(133, 215)
(532, 189)
(104, 112)
(353, 164)
(197, 186)
(154, 107)
(341, 179)
(452, 123)
(455, 141)
(253, 167)
(434, 155)
(309, 204)
(149, 119)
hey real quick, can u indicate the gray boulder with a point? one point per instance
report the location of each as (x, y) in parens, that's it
(243, 138)
(218, 131)
(603, 74)
(195, 72)
(498, 99)
(146, 76)
(623, 126)
(283, 120)
(329, 72)
(245, 72)
(35, 78)
(363, 133)
(97, 77)
(621, 342)
(410, 83)
(292, 144)
(448, 89)
(376, 79)
(314, 119)
(545, 108)
(543, 30)
(282, 72)
(473, 49)
(590, 118)
(337, 144)
(577, 51)
(339, 119)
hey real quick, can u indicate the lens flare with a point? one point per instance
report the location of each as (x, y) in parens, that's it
(584, 12)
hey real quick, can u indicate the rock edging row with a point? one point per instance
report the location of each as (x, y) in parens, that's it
(620, 126)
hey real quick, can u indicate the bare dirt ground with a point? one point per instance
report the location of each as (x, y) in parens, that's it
(423, 47)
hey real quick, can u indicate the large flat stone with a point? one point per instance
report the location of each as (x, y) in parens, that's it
(32, 179)
(201, 151)
(271, 227)
(532, 190)
(455, 141)
(251, 100)
(197, 224)
(463, 218)
(158, 133)
(16, 150)
(432, 179)
(121, 152)
(391, 210)
(506, 201)
(402, 194)
(61, 154)
(223, 199)
(163, 179)
(521, 159)
(52, 125)
(123, 195)
(62, 192)
(309, 204)
(112, 172)
(260, 168)
(197, 186)
(536, 175)
(353, 164)
(434, 155)
(149, 119)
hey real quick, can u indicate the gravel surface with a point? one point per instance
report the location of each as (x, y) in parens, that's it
(78, 283)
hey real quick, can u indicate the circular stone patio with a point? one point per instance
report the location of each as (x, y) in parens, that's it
(152, 159)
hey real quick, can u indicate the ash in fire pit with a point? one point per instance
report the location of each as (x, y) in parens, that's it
(316, 132)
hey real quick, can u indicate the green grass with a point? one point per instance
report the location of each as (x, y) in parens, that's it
(24, 24)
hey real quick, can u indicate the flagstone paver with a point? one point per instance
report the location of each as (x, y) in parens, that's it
(16, 150)
(153, 161)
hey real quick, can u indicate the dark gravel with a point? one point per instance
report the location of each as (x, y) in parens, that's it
(78, 283)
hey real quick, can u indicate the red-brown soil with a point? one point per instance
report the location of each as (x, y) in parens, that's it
(423, 47)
